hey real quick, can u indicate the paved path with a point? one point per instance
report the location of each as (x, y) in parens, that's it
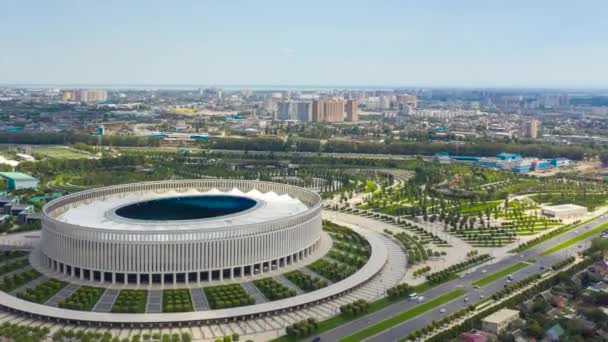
(254, 292)
(155, 301)
(285, 282)
(106, 301)
(198, 300)
(62, 294)
(33, 283)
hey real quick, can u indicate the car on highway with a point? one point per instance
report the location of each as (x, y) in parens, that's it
(466, 299)
(316, 339)
(443, 310)
(484, 271)
(420, 299)
(476, 287)
(413, 296)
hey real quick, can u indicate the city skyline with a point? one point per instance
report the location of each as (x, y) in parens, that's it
(345, 44)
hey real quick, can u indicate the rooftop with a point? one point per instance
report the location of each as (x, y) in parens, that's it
(17, 176)
(501, 315)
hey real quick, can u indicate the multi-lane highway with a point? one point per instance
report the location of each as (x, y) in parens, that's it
(474, 295)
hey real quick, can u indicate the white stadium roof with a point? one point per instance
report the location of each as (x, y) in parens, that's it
(100, 213)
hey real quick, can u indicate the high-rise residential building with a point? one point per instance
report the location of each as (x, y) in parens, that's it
(271, 103)
(352, 110)
(532, 128)
(317, 111)
(407, 100)
(84, 95)
(294, 110)
(304, 111)
(331, 110)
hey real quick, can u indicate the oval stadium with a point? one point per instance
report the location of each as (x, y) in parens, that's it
(179, 232)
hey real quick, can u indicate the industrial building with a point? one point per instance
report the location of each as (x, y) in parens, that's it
(505, 162)
(18, 181)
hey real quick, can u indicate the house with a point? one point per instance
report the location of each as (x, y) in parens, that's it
(497, 322)
(554, 333)
(599, 269)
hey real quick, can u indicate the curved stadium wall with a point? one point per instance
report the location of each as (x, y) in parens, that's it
(177, 255)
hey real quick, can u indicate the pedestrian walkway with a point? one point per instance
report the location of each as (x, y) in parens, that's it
(62, 294)
(154, 304)
(106, 301)
(199, 301)
(254, 292)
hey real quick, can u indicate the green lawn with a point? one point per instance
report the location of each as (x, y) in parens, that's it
(404, 316)
(575, 240)
(501, 274)
(60, 153)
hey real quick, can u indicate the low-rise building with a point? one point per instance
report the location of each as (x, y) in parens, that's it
(564, 211)
(18, 181)
(498, 321)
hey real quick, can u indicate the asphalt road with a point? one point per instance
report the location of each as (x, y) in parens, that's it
(402, 330)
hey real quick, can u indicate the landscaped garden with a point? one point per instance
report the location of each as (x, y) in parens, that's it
(12, 266)
(273, 290)
(131, 301)
(83, 299)
(9, 283)
(227, 296)
(331, 270)
(304, 281)
(177, 300)
(43, 292)
(8, 255)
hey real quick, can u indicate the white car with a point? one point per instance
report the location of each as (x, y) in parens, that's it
(466, 299)
(420, 299)
(442, 310)
(484, 271)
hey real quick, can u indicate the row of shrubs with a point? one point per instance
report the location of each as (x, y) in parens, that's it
(331, 270)
(348, 259)
(448, 273)
(344, 234)
(304, 281)
(15, 332)
(8, 255)
(12, 266)
(422, 270)
(131, 301)
(510, 288)
(43, 292)
(227, 296)
(355, 308)
(16, 280)
(362, 250)
(83, 299)
(302, 328)
(563, 263)
(62, 335)
(177, 300)
(416, 252)
(272, 290)
(537, 240)
(398, 291)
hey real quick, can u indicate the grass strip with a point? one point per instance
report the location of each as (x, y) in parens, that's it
(548, 236)
(404, 316)
(575, 240)
(501, 274)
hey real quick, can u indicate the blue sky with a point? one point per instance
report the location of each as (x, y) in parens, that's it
(390, 43)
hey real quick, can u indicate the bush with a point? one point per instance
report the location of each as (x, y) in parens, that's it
(227, 296)
(272, 290)
(131, 301)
